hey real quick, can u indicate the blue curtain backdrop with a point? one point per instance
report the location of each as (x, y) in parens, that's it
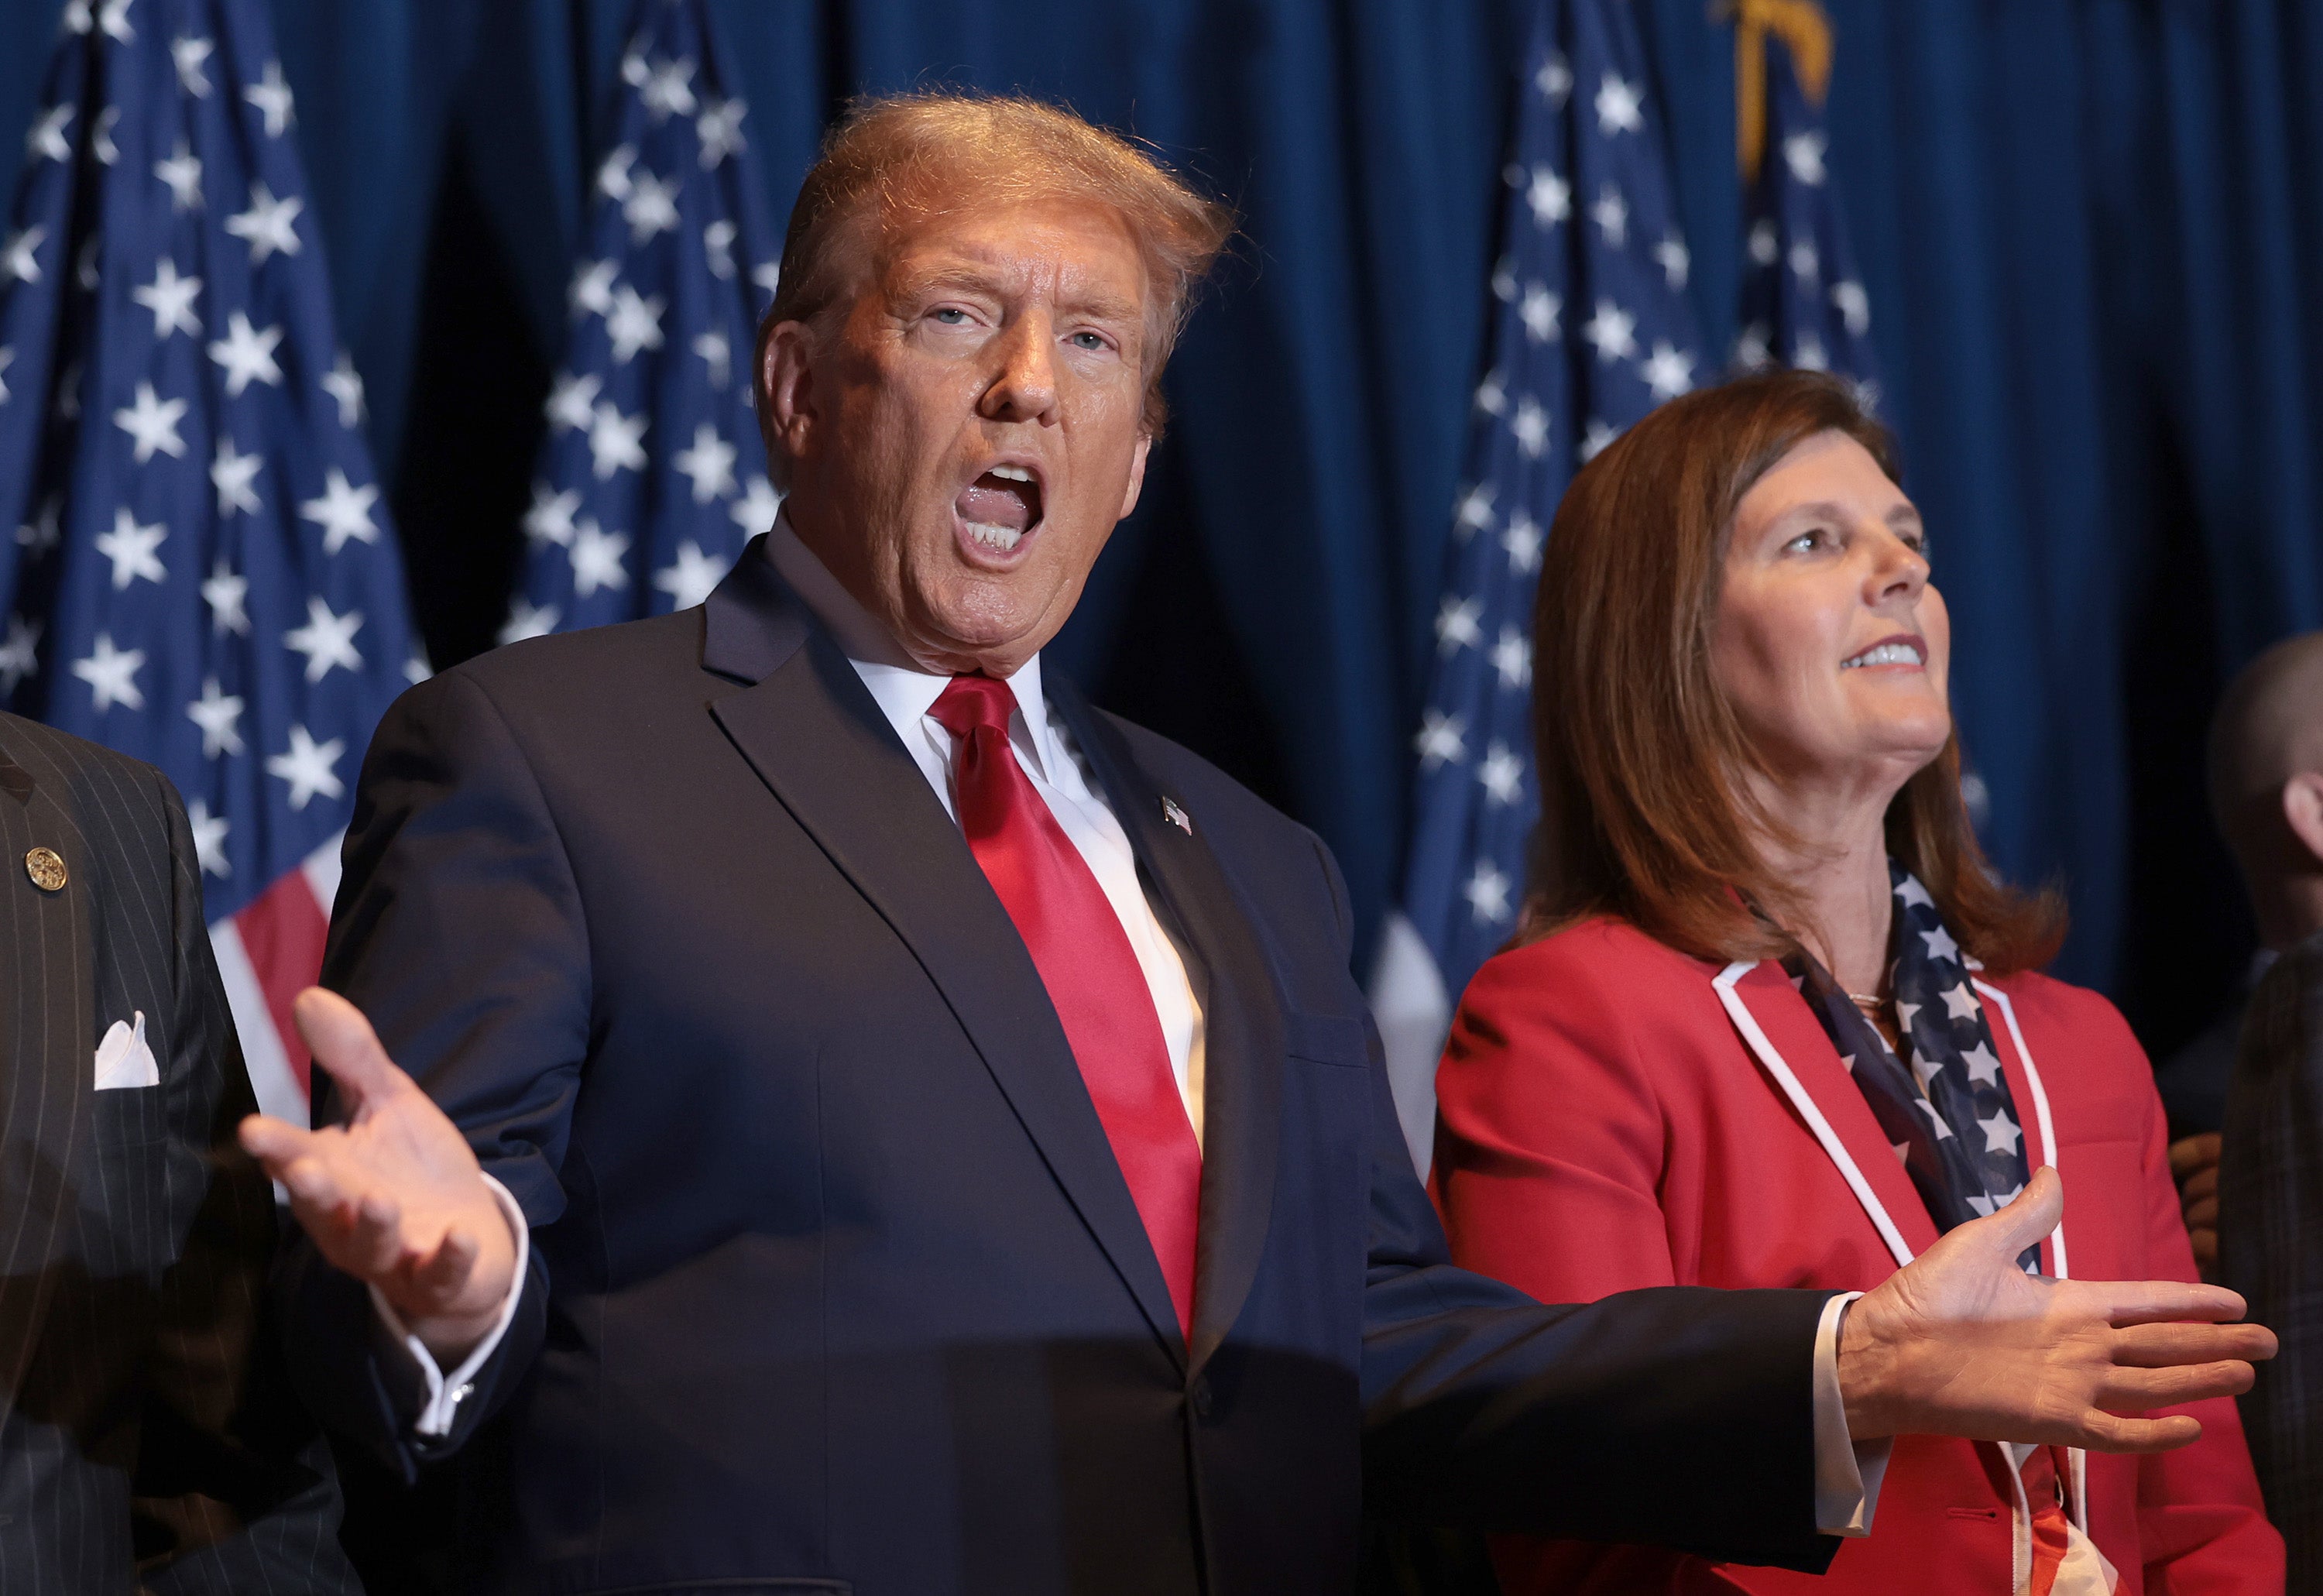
(2087, 227)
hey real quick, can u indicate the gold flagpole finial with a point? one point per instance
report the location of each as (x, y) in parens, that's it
(1800, 24)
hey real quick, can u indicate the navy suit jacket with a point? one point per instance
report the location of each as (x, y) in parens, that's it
(835, 1284)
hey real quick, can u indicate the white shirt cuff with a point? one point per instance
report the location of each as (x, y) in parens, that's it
(1847, 1471)
(445, 1393)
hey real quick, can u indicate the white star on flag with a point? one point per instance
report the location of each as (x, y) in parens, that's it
(1522, 541)
(269, 225)
(1619, 106)
(307, 766)
(550, 518)
(326, 640)
(1612, 215)
(527, 620)
(1474, 511)
(1538, 313)
(1807, 354)
(343, 511)
(271, 97)
(1549, 196)
(1442, 739)
(1456, 624)
(1612, 332)
(130, 548)
(1672, 256)
(1853, 304)
(1669, 371)
(1493, 395)
(344, 384)
(20, 655)
(1512, 657)
(7, 359)
(1530, 428)
(1940, 943)
(651, 207)
(247, 355)
(1502, 774)
(1903, 1012)
(170, 298)
(182, 171)
(219, 715)
(592, 293)
(226, 593)
(1912, 895)
(755, 511)
(1487, 893)
(2000, 1132)
(710, 463)
(1595, 439)
(1554, 81)
(669, 90)
(1959, 1003)
(112, 22)
(1806, 264)
(189, 55)
(112, 674)
(1803, 153)
(232, 474)
(209, 838)
(613, 173)
(692, 579)
(719, 129)
(616, 442)
(47, 140)
(20, 257)
(573, 400)
(596, 557)
(711, 348)
(152, 422)
(1983, 1205)
(718, 249)
(633, 323)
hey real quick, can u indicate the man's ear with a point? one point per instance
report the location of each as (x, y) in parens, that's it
(2302, 811)
(1137, 475)
(785, 376)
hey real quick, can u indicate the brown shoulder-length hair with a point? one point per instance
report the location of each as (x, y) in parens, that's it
(1639, 749)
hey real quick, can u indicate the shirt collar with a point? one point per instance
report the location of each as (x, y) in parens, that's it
(904, 690)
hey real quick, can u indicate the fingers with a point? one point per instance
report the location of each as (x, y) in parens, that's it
(2142, 1302)
(2161, 1346)
(2110, 1432)
(274, 1142)
(440, 1277)
(2193, 1153)
(2033, 1216)
(344, 1044)
(2139, 1390)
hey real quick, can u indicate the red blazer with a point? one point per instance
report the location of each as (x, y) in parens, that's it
(1604, 1122)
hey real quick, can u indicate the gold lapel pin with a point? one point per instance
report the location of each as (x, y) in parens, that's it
(46, 868)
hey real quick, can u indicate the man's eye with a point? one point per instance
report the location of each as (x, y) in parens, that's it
(952, 316)
(1087, 340)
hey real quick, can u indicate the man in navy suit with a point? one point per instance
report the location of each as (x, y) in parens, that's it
(878, 1123)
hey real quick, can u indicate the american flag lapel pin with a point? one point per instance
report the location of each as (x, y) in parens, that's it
(1175, 813)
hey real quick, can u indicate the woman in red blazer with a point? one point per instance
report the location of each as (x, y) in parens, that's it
(1773, 1023)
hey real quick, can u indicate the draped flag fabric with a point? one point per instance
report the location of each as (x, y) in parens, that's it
(202, 573)
(1802, 299)
(1592, 330)
(652, 477)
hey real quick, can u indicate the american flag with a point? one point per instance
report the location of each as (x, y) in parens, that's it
(652, 477)
(202, 574)
(1591, 329)
(1803, 300)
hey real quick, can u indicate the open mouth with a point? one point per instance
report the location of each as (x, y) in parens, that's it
(998, 510)
(1890, 651)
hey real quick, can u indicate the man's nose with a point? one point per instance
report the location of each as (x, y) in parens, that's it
(1024, 388)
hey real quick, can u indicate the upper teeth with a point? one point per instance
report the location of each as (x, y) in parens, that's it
(1015, 474)
(1001, 538)
(1886, 654)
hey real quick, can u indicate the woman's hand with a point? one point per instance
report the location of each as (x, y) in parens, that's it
(2194, 1166)
(1962, 1342)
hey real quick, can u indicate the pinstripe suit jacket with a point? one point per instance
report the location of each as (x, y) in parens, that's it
(2271, 1242)
(147, 1437)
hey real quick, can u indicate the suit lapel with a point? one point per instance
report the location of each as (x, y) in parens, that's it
(814, 735)
(1790, 1028)
(1242, 1020)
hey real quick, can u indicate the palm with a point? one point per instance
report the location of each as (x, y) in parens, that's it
(1962, 1342)
(395, 1196)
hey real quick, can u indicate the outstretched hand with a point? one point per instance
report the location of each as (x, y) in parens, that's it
(1962, 1342)
(395, 1198)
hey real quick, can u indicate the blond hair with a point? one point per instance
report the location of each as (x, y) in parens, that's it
(910, 156)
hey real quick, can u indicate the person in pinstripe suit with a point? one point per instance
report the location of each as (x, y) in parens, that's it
(148, 1438)
(2266, 786)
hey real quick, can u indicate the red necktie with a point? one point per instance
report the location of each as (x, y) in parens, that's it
(1092, 973)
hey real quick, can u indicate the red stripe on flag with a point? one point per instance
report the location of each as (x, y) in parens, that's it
(282, 931)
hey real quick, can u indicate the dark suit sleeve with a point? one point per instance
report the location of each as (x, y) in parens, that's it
(458, 933)
(234, 1487)
(1680, 1416)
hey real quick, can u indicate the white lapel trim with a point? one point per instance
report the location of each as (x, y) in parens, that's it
(1804, 1101)
(2079, 1459)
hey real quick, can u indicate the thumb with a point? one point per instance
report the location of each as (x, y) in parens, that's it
(2033, 1215)
(344, 1044)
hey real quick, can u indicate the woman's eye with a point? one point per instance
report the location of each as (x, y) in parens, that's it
(1806, 543)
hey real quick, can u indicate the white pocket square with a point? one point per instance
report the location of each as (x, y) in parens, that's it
(123, 1058)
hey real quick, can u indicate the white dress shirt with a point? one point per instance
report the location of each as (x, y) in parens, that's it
(1847, 1475)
